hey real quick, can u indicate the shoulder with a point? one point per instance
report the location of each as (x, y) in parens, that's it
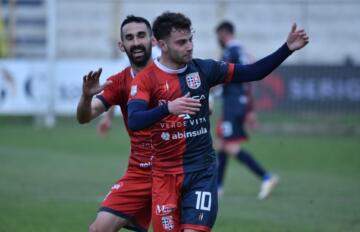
(120, 76)
(120, 79)
(203, 63)
(147, 74)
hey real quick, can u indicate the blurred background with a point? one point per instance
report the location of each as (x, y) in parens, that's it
(54, 172)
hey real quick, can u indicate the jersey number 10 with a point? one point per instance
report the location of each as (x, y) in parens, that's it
(203, 200)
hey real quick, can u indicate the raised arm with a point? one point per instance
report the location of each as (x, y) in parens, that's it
(89, 108)
(297, 39)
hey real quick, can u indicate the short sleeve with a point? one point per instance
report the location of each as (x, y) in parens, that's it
(111, 94)
(217, 72)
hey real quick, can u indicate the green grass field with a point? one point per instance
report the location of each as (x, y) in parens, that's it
(53, 180)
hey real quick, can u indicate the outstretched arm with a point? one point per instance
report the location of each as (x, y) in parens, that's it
(297, 39)
(88, 108)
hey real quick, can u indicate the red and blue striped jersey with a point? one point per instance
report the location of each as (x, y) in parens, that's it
(181, 143)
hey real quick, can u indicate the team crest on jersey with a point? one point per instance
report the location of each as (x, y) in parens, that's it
(133, 90)
(193, 80)
(167, 222)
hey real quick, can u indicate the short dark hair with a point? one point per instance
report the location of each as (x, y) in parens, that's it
(167, 21)
(226, 26)
(135, 19)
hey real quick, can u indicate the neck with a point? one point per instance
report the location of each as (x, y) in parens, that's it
(136, 69)
(166, 61)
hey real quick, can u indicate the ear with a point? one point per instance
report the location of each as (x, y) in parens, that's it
(121, 46)
(153, 41)
(162, 45)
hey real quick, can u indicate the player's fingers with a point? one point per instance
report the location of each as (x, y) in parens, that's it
(187, 95)
(98, 73)
(193, 104)
(293, 27)
(89, 77)
(189, 112)
(191, 109)
(191, 100)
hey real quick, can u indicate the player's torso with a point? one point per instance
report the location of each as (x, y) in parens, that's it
(182, 143)
(141, 148)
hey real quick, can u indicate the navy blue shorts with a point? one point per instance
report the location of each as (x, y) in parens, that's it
(185, 201)
(231, 126)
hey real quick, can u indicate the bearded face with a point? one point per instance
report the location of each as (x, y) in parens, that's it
(139, 54)
(136, 43)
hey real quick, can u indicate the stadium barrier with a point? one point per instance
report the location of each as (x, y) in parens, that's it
(24, 87)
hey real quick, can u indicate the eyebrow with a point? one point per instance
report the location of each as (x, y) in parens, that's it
(187, 38)
(137, 33)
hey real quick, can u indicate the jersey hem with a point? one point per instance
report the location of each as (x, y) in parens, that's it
(195, 227)
(133, 226)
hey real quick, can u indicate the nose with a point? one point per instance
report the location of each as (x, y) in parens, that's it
(189, 45)
(136, 41)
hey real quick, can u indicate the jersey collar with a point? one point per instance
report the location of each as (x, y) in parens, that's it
(132, 73)
(169, 70)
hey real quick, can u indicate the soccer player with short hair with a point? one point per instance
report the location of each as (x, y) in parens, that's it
(237, 108)
(171, 97)
(128, 204)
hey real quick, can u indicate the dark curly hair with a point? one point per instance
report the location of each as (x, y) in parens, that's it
(168, 21)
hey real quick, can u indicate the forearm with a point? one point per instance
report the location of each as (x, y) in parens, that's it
(261, 68)
(140, 118)
(83, 113)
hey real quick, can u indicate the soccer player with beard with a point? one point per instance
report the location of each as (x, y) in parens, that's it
(171, 96)
(128, 204)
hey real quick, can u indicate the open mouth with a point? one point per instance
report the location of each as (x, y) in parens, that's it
(137, 53)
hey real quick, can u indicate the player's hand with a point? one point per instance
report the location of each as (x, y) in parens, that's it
(184, 105)
(91, 85)
(297, 39)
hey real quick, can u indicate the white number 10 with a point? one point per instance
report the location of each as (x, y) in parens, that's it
(203, 201)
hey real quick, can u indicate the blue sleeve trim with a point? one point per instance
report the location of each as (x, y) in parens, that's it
(260, 69)
(139, 117)
(105, 103)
